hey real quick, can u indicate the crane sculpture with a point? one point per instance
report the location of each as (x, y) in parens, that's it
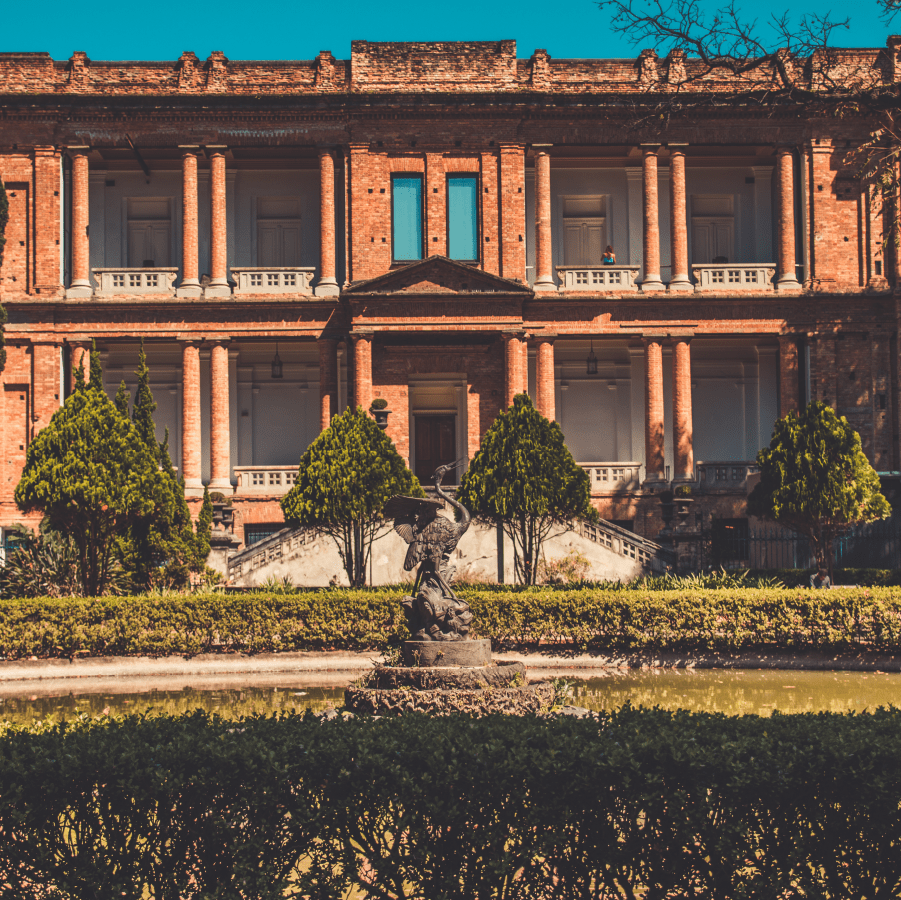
(434, 611)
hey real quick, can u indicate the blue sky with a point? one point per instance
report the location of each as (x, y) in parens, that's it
(162, 29)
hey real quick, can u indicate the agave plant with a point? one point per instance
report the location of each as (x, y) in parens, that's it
(46, 566)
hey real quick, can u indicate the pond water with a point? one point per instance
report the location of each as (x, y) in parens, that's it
(734, 692)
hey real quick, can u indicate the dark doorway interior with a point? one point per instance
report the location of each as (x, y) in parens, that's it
(436, 443)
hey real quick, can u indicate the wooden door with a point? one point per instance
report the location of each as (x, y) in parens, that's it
(712, 239)
(583, 241)
(436, 445)
(278, 242)
(148, 244)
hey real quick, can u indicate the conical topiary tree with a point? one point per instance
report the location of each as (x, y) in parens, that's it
(91, 476)
(525, 479)
(344, 480)
(816, 480)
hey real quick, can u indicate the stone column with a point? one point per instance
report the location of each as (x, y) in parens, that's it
(362, 370)
(190, 283)
(81, 252)
(680, 280)
(513, 367)
(683, 452)
(328, 381)
(220, 443)
(218, 286)
(544, 259)
(788, 374)
(787, 280)
(190, 419)
(651, 280)
(328, 285)
(544, 376)
(653, 425)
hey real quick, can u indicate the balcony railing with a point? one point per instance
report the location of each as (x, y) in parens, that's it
(135, 281)
(735, 277)
(599, 278)
(254, 481)
(725, 476)
(607, 477)
(273, 280)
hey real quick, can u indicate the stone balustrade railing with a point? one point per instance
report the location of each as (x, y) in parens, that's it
(725, 476)
(607, 477)
(160, 280)
(599, 278)
(273, 280)
(254, 481)
(734, 277)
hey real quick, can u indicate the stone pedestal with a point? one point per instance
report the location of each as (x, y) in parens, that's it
(420, 654)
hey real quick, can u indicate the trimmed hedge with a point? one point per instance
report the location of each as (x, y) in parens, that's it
(590, 619)
(639, 803)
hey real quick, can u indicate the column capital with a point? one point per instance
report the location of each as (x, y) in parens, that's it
(648, 339)
(544, 337)
(650, 148)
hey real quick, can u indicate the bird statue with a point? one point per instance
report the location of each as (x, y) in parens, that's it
(432, 538)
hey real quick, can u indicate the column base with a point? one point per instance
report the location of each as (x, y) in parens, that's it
(189, 290)
(79, 291)
(681, 284)
(544, 283)
(217, 290)
(327, 287)
(654, 482)
(223, 485)
(683, 479)
(788, 284)
(193, 488)
(653, 283)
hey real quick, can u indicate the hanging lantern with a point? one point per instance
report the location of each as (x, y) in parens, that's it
(591, 364)
(276, 364)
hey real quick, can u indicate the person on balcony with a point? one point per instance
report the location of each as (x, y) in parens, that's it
(609, 258)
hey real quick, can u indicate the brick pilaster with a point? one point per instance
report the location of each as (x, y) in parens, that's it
(190, 420)
(513, 369)
(683, 451)
(81, 254)
(544, 376)
(513, 211)
(45, 383)
(544, 260)
(788, 374)
(651, 220)
(220, 443)
(219, 235)
(680, 280)
(788, 279)
(190, 282)
(328, 381)
(362, 370)
(328, 285)
(46, 221)
(653, 426)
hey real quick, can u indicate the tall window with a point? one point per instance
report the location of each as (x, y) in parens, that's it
(462, 217)
(712, 229)
(149, 232)
(584, 230)
(278, 231)
(406, 217)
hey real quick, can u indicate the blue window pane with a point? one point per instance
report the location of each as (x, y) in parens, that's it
(406, 191)
(462, 221)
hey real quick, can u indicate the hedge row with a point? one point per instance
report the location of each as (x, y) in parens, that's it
(598, 620)
(642, 803)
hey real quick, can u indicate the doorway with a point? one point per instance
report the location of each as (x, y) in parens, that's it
(436, 444)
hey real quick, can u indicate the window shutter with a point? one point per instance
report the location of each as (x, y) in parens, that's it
(593, 246)
(290, 243)
(572, 244)
(267, 245)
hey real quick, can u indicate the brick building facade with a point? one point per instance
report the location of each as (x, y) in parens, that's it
(427, 223)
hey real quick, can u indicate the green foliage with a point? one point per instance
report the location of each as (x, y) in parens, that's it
(4, 219)
(122, 400)
(569, 569)
(716, 580)
(46, 566)
(602, 621)
(525, 478)
(91, 475)
(816, 479)
(667, 804)
(344, 480)
(204, 530)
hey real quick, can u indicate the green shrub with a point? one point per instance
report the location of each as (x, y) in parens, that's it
(688, 620)
(638, 803)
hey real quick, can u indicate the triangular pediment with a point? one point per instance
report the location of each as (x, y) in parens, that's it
(437, 275)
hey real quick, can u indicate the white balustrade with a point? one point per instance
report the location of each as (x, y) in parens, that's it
(273, 280)
(270, 480)
(734, 277)
(599, 278)
(725, 476)
(160, 280)
(608, 477)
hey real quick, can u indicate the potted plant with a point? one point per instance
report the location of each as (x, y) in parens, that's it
(683, 501)
(380, 412)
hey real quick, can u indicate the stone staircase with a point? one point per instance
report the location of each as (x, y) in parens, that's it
(309, 559)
